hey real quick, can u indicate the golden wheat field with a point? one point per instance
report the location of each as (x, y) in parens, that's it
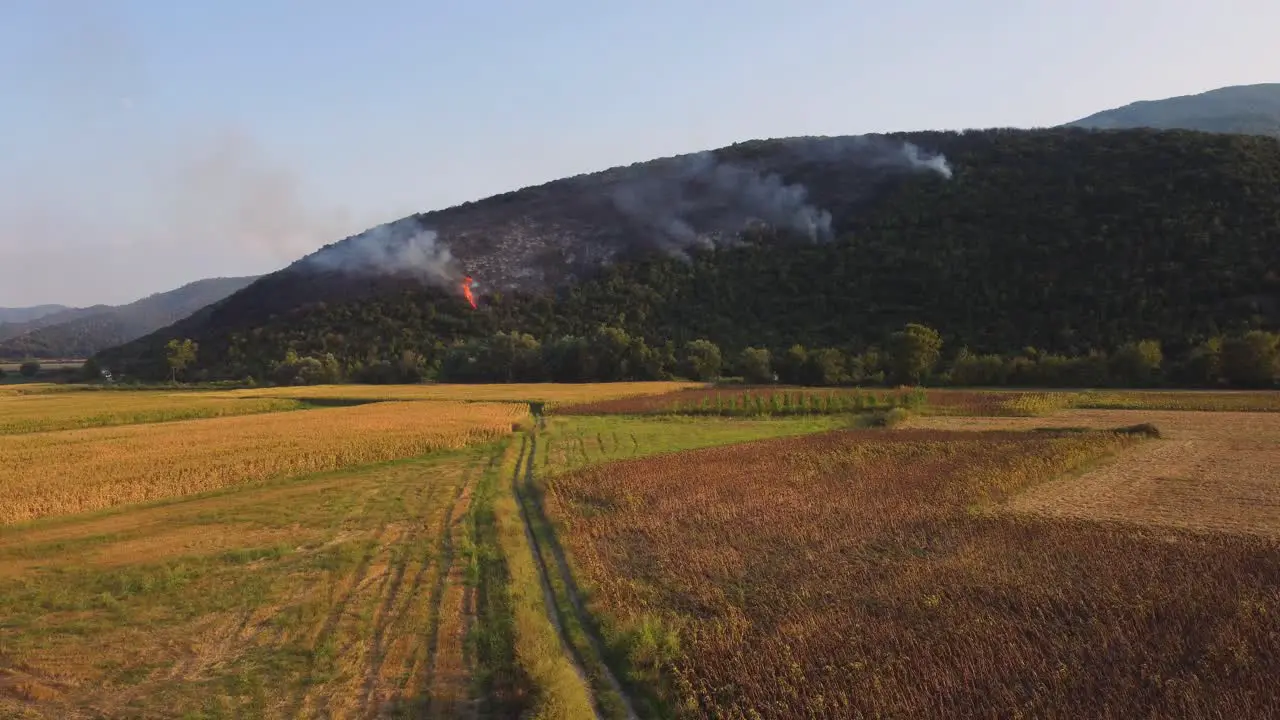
(551, 393)
(39, 412)
(44, 474)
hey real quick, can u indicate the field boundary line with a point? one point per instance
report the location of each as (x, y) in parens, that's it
(529, 507)
(528, 452)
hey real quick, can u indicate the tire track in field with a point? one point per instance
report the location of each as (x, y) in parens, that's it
(554, 610)
(447, 555)
(524, 462)
(395, 604)
(334, 617)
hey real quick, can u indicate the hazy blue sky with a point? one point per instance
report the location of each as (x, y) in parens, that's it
(148, 143)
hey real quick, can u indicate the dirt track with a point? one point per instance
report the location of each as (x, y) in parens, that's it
(1210, 471)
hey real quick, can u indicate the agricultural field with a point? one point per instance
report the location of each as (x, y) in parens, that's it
(44, 474)
(550, 394)
(42, 412)
(637, 550)
(323, 597)
(863, 573)
(783, 401)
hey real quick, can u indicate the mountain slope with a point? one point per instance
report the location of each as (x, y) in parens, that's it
(25, 314)
(1244, 109)
(81, 332)
(1063, 239)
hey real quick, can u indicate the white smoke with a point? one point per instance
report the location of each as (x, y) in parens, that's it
(402, 247)
(673, 197)
(699, 201)
(926, 161)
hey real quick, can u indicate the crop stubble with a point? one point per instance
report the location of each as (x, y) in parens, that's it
(1210, 471)
(859, 572)
(338, 596)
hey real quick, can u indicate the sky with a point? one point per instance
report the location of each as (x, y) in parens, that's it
(145, 144)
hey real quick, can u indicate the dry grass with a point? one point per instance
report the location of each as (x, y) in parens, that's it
(40, 412)
(552, 393)
(863, 574)
(1211, 471)
(43, 474)
(338, 595)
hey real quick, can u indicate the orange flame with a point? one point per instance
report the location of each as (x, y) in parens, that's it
(466, 291)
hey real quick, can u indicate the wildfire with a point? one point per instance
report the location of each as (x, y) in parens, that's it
(466, 291)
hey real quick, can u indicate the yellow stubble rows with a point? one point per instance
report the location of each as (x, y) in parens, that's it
(55, 473)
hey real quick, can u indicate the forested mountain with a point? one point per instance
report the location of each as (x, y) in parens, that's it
(81, 332)
(25, 314)
(1067, 240)
(20, 327)
(1245, 109)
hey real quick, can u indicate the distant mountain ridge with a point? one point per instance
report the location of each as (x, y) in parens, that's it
(81, 332)
(1240, 109)
(27, 314)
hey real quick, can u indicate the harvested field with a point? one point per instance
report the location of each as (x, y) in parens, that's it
(338, 595)
(1210, 471)
(551, 393)
(862, 573)
(42, 412)
(43, 474)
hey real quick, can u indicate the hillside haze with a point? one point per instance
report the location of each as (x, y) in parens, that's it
(27, 314)
(1062, 239)
(1245, 109)
(81, 332)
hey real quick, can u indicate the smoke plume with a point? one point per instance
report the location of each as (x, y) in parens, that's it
(674, 196)
(402, 247)
(123, 201)
(699, 201)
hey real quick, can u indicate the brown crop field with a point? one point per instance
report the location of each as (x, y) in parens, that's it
(43, 474)
(341, 595)
(876, 573)
(40, 412)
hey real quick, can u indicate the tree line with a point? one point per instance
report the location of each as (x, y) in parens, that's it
(914, 355)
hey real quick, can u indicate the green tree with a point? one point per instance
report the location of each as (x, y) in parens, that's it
(29, 369)
(913, 353)
(1252, 360)
(179, 354)
(755, 366)
(794, 365)
(702, 360)
(825, 366)
(1204, 363)
(969, 370)
(1137, 363)
(91, 370)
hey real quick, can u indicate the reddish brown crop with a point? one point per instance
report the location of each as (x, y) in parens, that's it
(871, 574)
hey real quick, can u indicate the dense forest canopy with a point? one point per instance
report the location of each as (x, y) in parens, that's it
(1064, 240)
